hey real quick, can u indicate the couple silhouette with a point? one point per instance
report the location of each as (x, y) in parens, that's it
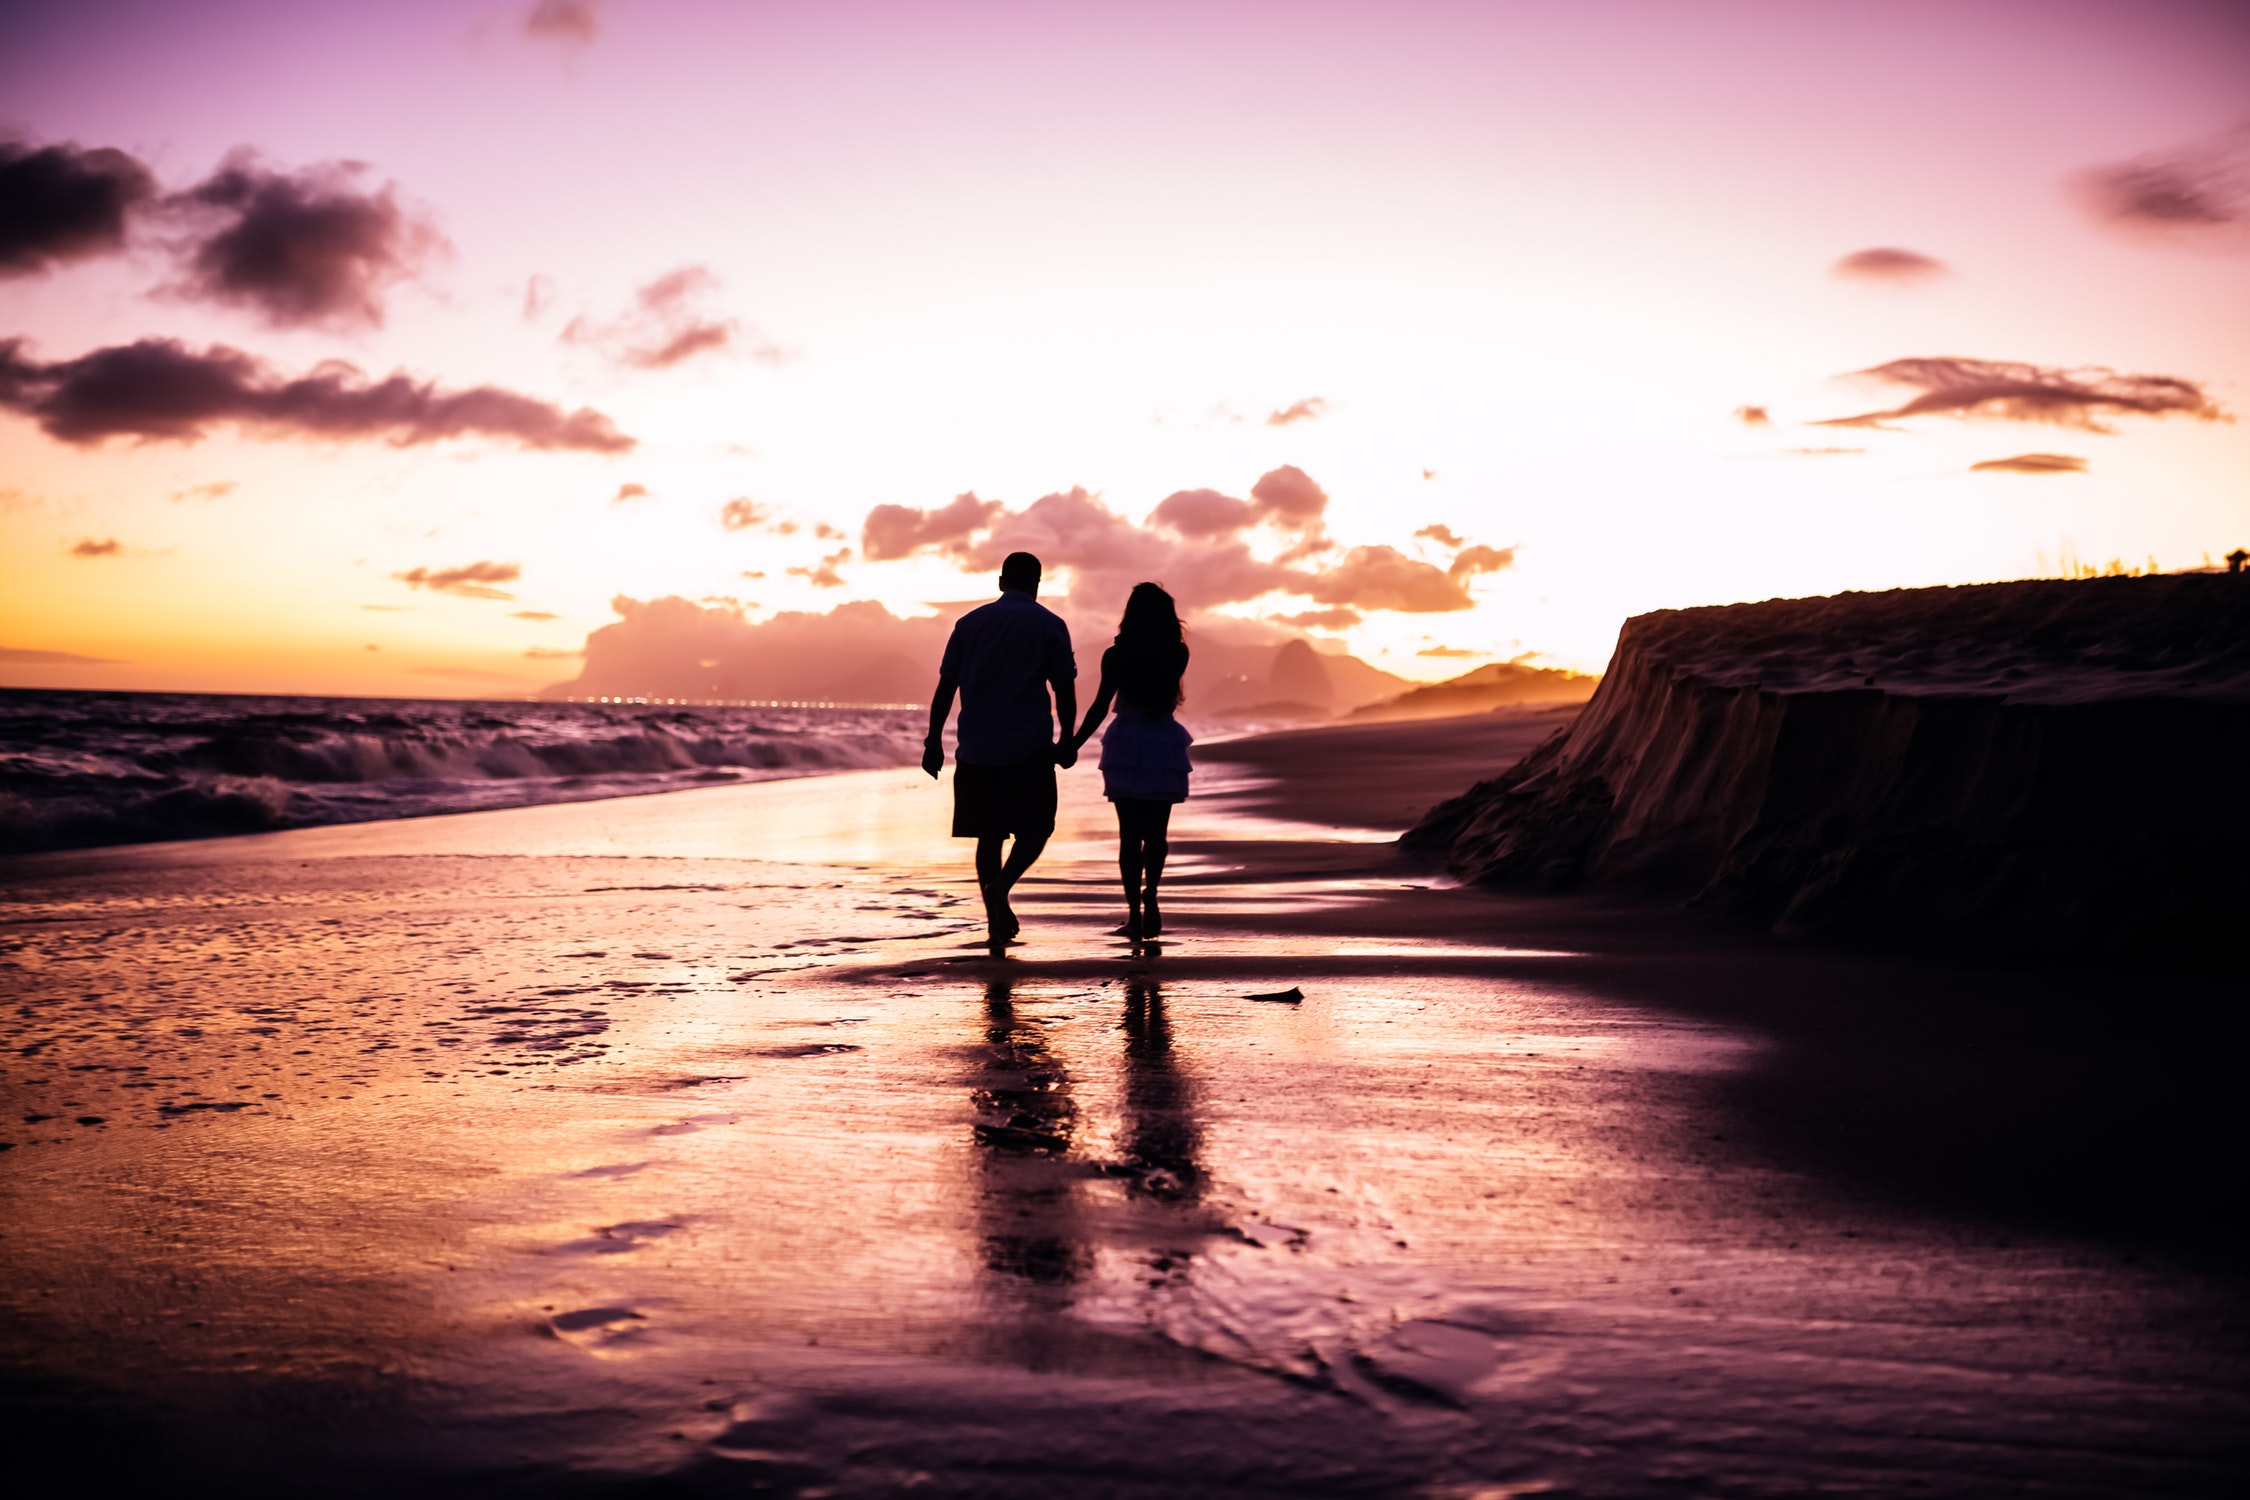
(1002, 660)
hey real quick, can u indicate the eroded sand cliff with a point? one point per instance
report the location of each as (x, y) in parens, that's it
(2047, 769)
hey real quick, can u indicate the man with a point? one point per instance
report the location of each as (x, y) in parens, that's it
(1002, 658)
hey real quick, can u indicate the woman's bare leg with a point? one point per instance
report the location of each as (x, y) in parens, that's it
(1129, 863)
(1155, 822)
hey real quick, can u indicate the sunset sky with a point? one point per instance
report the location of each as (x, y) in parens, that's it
(682, 293)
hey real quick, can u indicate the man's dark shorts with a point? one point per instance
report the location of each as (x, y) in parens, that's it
(991, 802)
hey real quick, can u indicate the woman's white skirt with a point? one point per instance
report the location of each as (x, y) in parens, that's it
(1145, 760)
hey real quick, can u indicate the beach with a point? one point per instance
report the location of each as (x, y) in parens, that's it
(694, 1144)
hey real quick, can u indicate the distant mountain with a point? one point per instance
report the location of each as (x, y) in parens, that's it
(1497, 684)
(1289, 681)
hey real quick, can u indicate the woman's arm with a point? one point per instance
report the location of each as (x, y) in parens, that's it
(1097, 709)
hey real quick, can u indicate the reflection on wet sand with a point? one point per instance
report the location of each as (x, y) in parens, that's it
(1031, 1239)
(1161, 1137)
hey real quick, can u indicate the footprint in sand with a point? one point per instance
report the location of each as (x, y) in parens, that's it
(594, 1328)
(692, 1124)
(620, 1239)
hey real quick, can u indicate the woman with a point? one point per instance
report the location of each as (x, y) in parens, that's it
(1144, 754)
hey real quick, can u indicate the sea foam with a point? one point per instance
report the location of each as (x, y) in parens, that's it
(80, 769)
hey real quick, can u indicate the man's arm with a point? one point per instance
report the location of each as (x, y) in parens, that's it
(941, 705)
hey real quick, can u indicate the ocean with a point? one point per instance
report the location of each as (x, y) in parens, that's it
(80, 769)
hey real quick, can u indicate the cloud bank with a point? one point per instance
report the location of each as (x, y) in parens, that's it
(160, 390)
(1310, 409)
(59, 203)
(1197, 543)
(299, 249)
(1997, 390)
(859, 652)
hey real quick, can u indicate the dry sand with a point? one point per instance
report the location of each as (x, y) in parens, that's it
(681, 1138)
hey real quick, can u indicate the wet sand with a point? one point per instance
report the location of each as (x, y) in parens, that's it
(684, 1144)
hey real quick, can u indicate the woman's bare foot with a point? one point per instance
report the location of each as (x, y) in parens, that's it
(1152, 920)
(1000, 924)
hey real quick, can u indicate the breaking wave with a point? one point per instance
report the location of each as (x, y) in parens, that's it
(83, 769)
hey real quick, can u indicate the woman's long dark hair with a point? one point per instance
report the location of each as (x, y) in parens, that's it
(1151, 653)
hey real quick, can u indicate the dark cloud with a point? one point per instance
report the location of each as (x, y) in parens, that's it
(2199, 193)
(301, 249)
(1442, 535)
(1201, 513)
(106, 547)
(471, 581)
(1312, 408)
(533, 614)
(629, 491)
(1998, 390)
(1890, 265)
(742, 513)
(1753, 416)
(1194, 544)
(824, 575)
(667, 325)
(59, 203)
(826, 532)
(893, 531)
(572, 22)
(2032, 463)
(160, 390)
